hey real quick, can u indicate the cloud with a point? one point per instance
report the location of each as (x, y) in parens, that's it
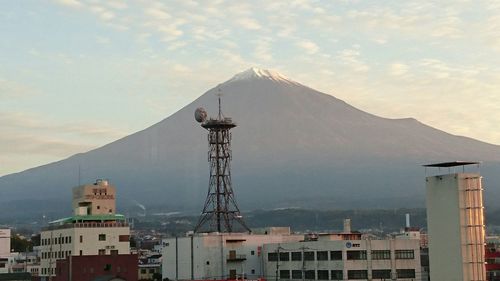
(308, 46)
(398, 69)
(351, 58)
(249, 23)
(70, 3)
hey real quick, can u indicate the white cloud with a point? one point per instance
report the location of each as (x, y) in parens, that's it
(398, 69)
(308, 46)
(70, 3)
(249, 23)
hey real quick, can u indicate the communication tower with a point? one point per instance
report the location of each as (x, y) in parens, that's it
(220, 213)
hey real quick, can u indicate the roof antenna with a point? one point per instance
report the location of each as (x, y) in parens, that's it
(219, 94)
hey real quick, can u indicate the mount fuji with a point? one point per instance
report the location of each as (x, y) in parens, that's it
(293, 147)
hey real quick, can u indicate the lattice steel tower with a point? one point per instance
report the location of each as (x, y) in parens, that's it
(220, 213)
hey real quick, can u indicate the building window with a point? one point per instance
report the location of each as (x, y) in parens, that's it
(114, 252)
(253, 271)
(381, 255)
(308, 256)
(322, 274)
(102, 251)
(143, 271)
(357, 274)
(272, 256)
(81, 238)
(310, 274)
(98, 207)
(252, 253)
(296, 256)
(107, 267)
(124, 238)
(70, 239)
(284, 256)
(337, 274)
(284, 274)
(336, 255)
(151, 270)
(405, 273)
(102, 237)
(405, 254)
(322, 255)
(356, 255)
(81, 253)
(381, 274)
(296, 274)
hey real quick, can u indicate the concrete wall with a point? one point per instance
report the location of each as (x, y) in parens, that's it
(456, 227)
(5, 242)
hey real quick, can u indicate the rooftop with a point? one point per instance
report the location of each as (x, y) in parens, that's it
(452, 164)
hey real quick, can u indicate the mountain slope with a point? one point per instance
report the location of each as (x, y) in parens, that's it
(293, 146)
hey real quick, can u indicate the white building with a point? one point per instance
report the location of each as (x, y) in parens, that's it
(455, 224)
(337, 257)
(219, 255)
(5, 242)
(94, 229)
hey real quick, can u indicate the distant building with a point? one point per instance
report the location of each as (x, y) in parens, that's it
(455, 224)
(219, 255)
(94, 230)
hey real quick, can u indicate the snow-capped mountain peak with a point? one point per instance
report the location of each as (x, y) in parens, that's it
(255, 72)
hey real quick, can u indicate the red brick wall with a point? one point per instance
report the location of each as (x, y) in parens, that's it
(86, 268)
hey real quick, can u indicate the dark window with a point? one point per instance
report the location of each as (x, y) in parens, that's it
(143, 271)
(308, 256)
(356, 255)
(107, 267)
(272, 256)
(67, 239)
(336, 255)
(284, 256)
(284, 274)
(296, 256)
(310, 274)
(381, 255)
(102, 251)
(114, 252)
(70, 239)
(357, 274)
(381, 274)
(405, 273)
(81, 252)
(208, 262)
(322, 274)
(337, 275)
(405, 254)
(296, 274)
(253, 271)
(102, 237)
(124, 238)
(322, 255)
(98, 207)
(252, 253)
(81, 238)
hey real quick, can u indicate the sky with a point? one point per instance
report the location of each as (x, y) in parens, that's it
(75, 74)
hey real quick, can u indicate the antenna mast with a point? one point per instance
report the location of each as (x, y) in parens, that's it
(220, 212)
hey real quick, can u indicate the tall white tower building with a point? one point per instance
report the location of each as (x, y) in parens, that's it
(455, 222)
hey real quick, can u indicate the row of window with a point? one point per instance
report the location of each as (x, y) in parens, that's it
(56, 240)
(337, 255)
(144, 270)
(339, 274)
(56, 254)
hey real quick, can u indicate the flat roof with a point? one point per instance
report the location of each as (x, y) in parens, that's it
(111, 217)
(452, 164)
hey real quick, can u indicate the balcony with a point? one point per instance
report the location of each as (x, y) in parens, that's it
(235, 258)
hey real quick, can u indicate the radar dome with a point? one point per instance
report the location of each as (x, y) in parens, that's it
(200, 114)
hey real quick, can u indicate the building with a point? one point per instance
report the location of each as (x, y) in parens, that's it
(455, 223)
(91, 267)
(492, 256)
(344, 256)
(93, 230)
(216, 256)
(5, 242)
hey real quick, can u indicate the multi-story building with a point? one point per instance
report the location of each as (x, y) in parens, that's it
(455, 223)
(220, 255)
(5, 242)
(94, 229)
(344, 256)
